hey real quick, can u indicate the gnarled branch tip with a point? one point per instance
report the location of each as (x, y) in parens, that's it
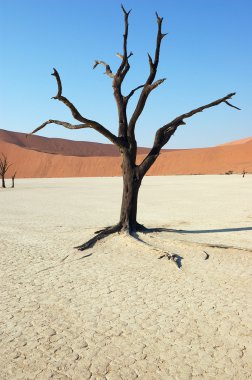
(124, 11)
(107, 67)
(150, 59)
(156, 84)
(231, 105)
(95, 64)
(159, 19)
(56, 75)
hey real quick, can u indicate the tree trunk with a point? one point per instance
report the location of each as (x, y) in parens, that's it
(3, 182)
(13, 179)
(131, 185)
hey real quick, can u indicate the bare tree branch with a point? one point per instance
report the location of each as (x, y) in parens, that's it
(121, 56)
(86, 122)
(56, 75)
(153, 69)
(99, 128)
(124, 67)
(164, 133)
(63, 123)
(118, 78)
(64, 100)
(160, 36)
(125, 64)
(155, 84)
(107, 67)
(150, 62)
(4, 166)
(200, 109)
(132, 92)
(231, 105)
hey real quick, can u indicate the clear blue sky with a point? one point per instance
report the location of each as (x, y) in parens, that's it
(206, 55)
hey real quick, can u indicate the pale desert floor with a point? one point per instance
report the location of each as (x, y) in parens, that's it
(116, 311)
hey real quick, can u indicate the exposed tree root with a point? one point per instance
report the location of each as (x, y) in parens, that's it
(99, 235)
(105, 229)
(103, 233)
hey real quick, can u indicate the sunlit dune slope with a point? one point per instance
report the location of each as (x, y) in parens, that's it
(103, 159)
(236, 142)
(61, 146)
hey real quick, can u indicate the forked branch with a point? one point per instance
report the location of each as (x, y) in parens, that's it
(202, 108)
(86, 123)
(149, 85)
(124, 66)
(164, 134)
(64, 100)
(231, 105)
(63, 123)
(132, 92)
(4, 164)
(118, 77)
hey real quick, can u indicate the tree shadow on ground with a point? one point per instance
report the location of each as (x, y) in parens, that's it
(178, 231)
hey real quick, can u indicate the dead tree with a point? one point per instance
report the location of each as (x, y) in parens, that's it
(125, 140)
(4, 166)
(13, 180)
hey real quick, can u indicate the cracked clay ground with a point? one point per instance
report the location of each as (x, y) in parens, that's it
(117, 311)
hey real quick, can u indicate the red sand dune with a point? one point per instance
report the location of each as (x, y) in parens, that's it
(61, 146)
(66, 158)
(242, 141)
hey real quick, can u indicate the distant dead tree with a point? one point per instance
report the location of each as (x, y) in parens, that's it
(125, 140)
(4, 166)
(13, 179)
(243, 173)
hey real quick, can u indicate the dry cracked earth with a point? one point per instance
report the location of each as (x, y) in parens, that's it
(117, 311)
(122, 315)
